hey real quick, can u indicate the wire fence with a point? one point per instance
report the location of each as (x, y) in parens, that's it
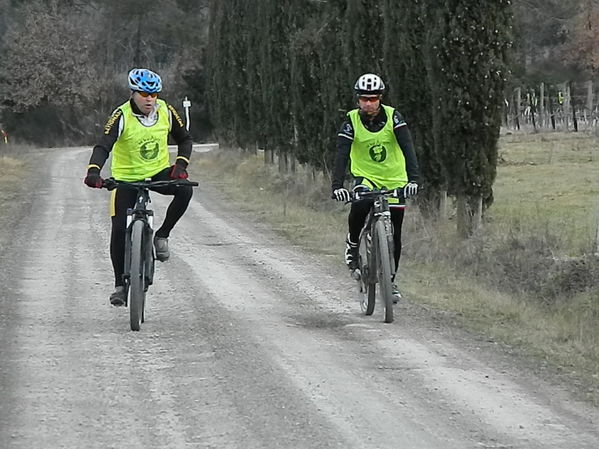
(570, 106)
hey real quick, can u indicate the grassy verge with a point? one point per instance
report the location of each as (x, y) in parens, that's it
(11, 185)
(526, 282)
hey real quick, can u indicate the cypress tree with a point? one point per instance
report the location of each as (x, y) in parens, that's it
(406, 50)
(468, 73)
(319, 82)
(216, 67)
(363, 38)
(257, 117)
(274, 75)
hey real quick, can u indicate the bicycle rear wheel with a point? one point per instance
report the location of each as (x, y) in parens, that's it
(137, 294)
(367, 280)
(384, 271)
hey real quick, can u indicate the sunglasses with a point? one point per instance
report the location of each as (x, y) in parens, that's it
(369, 99)
(147, 94)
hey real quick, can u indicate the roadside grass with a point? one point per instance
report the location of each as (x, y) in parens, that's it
(549, 181)
(291, 205)
(11, 186)
(529, 281)
(11, 179)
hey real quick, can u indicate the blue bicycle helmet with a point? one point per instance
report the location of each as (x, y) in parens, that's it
(145, 80)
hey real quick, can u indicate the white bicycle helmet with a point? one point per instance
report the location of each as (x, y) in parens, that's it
(144, 80)
(369, 84)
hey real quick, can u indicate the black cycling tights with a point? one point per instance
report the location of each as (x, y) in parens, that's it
(124, 199)
(357, 215)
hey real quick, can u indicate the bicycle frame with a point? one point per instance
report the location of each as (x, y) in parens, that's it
(139, 248)
(379, 211)
(376, 261)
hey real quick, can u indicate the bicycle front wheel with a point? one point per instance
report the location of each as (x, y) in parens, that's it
(137, 294)
(384, 265)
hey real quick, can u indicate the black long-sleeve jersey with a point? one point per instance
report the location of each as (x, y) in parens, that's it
(114, 127)
(374, 124)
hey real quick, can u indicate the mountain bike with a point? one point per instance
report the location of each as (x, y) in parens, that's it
(139, 249)
(376, 263)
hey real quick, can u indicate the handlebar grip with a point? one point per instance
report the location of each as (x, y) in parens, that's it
(109, 184)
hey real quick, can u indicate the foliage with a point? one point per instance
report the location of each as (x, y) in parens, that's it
(408, 52)
(35, 75)
(467, 81)
(445, 66)
(582, 49)
(547, 40)
(64, 63)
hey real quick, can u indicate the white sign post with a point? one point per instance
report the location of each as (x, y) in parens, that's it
(186, 106)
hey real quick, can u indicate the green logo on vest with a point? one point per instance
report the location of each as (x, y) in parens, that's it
(378, 153)
(149, 149)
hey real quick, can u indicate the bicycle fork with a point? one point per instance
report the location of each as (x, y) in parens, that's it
(147, 244)
(385, 217)
(149, 248)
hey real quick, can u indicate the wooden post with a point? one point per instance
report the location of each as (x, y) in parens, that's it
(517, 106)
(597, 240)
(567, 105)
(573, 106)
(589, 109)
(533, 107)
(542, 105)
(551, 111)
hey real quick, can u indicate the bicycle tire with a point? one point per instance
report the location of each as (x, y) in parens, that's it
(137, 282)
(384, 265)
(368, 282)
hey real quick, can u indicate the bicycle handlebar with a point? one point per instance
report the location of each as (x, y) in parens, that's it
(111, 183)
(364, 194)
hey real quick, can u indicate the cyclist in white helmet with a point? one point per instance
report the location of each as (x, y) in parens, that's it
(137, 135)
(376, 142)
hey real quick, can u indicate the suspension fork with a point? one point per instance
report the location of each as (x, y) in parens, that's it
(148, 244)
(385, 217)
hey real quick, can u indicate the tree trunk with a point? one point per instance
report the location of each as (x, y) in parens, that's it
(269, 157)
(476, 213)
(462, 216)
(469, 215)
(443, 204)
(283, 162)
(433, 204)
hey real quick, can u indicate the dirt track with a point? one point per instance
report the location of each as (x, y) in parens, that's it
(248, 343)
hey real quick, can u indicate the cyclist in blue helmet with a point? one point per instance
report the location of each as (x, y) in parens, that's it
(137, 135)
(144, 80)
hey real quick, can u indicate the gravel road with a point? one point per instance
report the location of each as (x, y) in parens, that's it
(248, 343)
